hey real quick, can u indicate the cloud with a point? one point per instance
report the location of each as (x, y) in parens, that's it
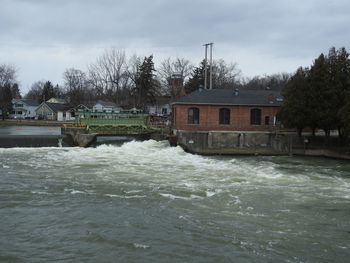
(262, 36)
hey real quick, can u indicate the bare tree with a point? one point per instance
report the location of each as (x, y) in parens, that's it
(168, 67)
(274, 81)
(225, 75)
(133, 66)
(109, 74)
(36, 90)
(8, 74)
(76, 86)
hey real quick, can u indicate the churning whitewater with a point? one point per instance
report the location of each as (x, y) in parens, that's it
(148, 202)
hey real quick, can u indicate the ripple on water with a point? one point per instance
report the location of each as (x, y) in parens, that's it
(146, 201)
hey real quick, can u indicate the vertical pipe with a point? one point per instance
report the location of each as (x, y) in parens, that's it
(205, 66)
(211, 66)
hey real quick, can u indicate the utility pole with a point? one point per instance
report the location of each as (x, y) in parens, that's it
(205, 66)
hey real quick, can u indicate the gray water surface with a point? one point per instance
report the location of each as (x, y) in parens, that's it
(148, 202)
(30, 130)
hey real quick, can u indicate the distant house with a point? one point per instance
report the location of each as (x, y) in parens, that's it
(227, 110)
(82, 107)
(54, 111)
(106, 106)
(79, 108)
(23, 108)
(161, 106)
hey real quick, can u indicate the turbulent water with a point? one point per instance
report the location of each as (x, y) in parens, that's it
(148, 202)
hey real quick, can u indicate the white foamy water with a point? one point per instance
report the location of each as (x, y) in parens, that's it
(148, 202)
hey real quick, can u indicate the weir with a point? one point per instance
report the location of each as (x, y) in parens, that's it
(9, 141)
(130, 123)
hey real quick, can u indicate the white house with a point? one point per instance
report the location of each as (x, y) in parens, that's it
(23, 108)
(106, 106)
(161, 107)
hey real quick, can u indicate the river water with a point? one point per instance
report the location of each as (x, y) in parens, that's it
(30, 130)
(148, 202)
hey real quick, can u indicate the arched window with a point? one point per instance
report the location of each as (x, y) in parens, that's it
(255, 116)
(193, 116)
(224, 116)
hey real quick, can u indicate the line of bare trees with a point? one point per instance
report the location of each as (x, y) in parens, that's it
(116, 77)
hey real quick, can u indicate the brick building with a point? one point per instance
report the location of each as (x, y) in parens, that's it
(227, 110)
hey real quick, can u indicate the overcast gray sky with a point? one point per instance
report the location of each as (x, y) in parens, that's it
(44, 37)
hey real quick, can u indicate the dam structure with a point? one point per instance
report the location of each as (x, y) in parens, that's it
(130, 123)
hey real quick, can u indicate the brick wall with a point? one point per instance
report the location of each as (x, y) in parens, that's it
(209, 118)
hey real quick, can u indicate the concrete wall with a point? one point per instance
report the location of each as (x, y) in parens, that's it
(9, 141)
(259, 143)
(229, 142)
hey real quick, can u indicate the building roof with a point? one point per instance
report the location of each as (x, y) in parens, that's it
(28, 102)
(232, 97)
(57, 100)
(55, 107)
(107, 103)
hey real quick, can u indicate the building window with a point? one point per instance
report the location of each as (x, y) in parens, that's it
(193, 116)
(164, 111)
(255, 116)
(267, 120)
(224, 116)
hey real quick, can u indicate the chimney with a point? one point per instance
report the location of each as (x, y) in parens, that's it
(271, 98)
(177, 87)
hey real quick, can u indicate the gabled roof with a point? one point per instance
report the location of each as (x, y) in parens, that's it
(232, 97)
(28, 102)
(55, 107)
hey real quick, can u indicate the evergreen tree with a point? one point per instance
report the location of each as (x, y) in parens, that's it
(146, 87)
(197, 78)
(339, 78)
(324, 100)
(5, 100)
(48, 91)
(321, 97)
(295, 111)
(16, 94)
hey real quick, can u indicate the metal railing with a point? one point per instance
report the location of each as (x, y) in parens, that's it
(112, 119)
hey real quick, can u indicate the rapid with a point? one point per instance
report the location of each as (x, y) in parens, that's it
(148, 202)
